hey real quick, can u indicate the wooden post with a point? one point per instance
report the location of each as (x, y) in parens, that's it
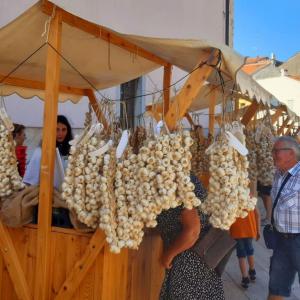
(96, 108)
(166, 87)
(283, 126)
(211, 112)
(43, 262)
(250, 112)
(13, 266)
(190, 90)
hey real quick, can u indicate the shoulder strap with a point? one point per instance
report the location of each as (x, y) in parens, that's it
(278, 195)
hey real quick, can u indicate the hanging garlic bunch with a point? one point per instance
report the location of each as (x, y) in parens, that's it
(200, 163)
(251, 146)
(137, 138)
(10, 179)
(81, 186)
(229, 195)
(264, 145)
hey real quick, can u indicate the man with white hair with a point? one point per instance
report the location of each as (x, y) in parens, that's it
(285, 262)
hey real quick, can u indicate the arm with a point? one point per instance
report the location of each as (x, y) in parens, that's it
(257, 219)
(186, 239)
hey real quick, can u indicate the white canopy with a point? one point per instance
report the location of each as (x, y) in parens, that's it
(104, 63)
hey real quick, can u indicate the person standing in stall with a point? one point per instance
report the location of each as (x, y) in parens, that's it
(21, 150)
(60, 216)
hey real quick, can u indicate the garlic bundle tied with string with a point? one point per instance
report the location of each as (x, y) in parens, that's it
(264, 145)
(252, 157)
(10, 179)
(229, 194)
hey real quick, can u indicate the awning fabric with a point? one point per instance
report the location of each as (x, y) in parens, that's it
(102, 63)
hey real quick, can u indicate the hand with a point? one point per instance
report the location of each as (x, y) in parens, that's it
(166, 260)
(258, 236)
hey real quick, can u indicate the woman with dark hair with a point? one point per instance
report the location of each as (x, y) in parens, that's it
(60, 216)
(63, 135)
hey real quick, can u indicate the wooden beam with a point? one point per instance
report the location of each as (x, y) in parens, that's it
(236, 106)
(277, 114)
(283, 126)
(166, 87)
(102, 33)
(211, 112)
(96, 108)
(250, 112)
(13, 265)
(190, 89)
(39, 85)
(43, 261)
(82, 267)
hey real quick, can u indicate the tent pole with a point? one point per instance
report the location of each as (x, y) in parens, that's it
(43, 261)
(166, 87)
(211, 112)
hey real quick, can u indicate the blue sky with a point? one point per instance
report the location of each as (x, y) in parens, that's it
(265, 26)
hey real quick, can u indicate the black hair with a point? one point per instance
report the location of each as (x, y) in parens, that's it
(64, 146)
(17, 129)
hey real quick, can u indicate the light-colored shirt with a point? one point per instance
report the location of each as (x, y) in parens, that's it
(287, 210)
(32, 173)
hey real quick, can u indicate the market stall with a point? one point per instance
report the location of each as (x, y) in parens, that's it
(46, 262)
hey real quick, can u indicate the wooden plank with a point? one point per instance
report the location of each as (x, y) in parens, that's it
(166, 87)
(283, 126)
(277, 115)
(13, 265)
(39, 85)
(250, 112)
(81, 267)
(103, 33)
(211, 112)
(190, 89)
(42, 275)
(114, 275)
(96, 108)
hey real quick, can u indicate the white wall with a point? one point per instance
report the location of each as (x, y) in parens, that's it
(196, 19)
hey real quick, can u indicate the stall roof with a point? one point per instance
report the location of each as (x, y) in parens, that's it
(100, 56)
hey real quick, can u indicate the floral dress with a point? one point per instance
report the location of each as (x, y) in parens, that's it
(189, 278)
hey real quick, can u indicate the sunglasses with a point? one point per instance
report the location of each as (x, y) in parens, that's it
(276, 150)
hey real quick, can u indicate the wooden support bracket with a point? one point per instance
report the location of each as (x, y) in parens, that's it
(190, 90)
(250, 112)
(81, 268)
(283, 126)
(277, 115)
(13, 265)
(96, 108)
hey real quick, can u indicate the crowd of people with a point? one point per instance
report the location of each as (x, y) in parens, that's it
(187, 275)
